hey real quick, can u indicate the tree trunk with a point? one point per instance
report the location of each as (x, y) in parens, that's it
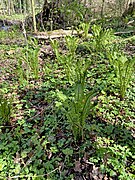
(48, 17)
(33, 15)
(130, 11)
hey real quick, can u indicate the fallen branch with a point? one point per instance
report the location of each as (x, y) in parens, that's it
(124, 32)
(62, 33)
(55, 34)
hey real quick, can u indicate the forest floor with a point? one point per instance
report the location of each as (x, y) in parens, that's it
(36, 137)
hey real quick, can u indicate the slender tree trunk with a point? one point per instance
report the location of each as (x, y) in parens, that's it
(102, 8)
(33, 15)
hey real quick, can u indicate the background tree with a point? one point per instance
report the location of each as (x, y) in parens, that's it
(33, 15)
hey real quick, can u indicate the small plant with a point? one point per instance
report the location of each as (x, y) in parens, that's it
(78, 110)
(69, 66)
(23, 76)
(75, 68)
(31, 57)
(85, 28)
(55, 46)
(101, 37)
(124, 69)
(72, 43)
(65, 60)
(5, 110)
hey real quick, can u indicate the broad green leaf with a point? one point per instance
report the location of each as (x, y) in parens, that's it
(67, 151)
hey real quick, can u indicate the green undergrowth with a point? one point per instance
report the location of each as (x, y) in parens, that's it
(56, 129)
(13, 17)
(11, 37)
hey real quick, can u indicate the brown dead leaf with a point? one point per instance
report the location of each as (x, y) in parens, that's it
(77, 167)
